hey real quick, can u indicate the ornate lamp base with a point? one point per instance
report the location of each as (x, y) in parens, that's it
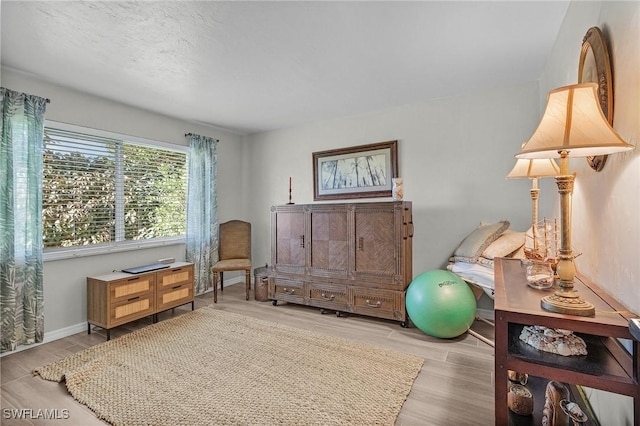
(568, 302)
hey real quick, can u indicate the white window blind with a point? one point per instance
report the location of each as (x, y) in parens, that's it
(101, 190)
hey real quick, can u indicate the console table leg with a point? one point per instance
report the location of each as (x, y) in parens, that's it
(108, 334)
(88, 328)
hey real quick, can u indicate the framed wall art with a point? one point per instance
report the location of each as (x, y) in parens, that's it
(595, 67)
(363, 171)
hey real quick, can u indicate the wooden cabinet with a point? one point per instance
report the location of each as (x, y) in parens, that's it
(608, 365)
(347, 257)
(118, 298)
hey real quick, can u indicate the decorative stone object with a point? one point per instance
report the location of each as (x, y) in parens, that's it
(553, 340)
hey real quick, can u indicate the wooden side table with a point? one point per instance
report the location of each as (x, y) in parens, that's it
(608, 366)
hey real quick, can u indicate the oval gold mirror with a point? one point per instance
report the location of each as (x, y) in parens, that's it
(595, 67)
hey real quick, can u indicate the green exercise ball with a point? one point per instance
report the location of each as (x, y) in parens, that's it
(440, 304)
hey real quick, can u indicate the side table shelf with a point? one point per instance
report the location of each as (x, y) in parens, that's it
(117, 298)
(608, 365)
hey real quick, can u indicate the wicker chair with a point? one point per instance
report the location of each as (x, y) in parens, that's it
(234, 253)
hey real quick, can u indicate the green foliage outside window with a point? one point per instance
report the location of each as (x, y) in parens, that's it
(99, 190)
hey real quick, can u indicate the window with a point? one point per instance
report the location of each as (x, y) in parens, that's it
(106, 190)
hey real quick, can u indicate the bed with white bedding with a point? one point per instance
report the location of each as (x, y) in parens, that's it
(472, 260)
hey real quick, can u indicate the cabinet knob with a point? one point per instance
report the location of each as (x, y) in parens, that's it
(324, 296)
(377, 304)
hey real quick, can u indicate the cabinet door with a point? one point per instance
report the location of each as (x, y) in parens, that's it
(288, 239)
(376, 242)
(329, 241)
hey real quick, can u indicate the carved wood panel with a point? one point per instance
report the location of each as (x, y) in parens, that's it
(329, 242)
(290, 236)
(375, 242)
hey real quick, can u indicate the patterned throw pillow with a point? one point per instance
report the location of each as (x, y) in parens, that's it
(477, 241)
(507, 243)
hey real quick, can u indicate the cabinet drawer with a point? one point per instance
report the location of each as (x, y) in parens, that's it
(172, 277)
(287, 290)
(176, 295)
(125, 289)
(378, 303)
(328, 296)
(131, 309)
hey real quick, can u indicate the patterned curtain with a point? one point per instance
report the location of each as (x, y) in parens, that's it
(202, 217)
(21, 219)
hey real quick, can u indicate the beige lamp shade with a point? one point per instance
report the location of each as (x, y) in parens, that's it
(573, 122)
(534, 168)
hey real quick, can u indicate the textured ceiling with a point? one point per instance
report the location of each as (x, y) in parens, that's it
(255, 66)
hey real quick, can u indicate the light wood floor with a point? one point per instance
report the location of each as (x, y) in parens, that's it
(454, 387)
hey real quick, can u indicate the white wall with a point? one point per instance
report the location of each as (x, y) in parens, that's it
(606, 204)
(606, 222)
(65, 280)
(454, 154)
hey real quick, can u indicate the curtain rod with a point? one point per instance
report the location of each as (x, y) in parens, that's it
(188, 134)
(48, 100)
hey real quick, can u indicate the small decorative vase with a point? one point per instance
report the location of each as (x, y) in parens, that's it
(539, 274)
(396, 190)
(520, 400)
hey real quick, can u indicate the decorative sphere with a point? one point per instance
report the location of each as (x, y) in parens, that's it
(440, 304)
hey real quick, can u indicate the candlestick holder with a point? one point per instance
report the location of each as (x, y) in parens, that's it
(290, 202)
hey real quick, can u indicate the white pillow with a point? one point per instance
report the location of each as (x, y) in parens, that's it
(478, 240)
(506, 244)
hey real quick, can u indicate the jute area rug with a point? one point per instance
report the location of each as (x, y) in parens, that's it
(211, 367)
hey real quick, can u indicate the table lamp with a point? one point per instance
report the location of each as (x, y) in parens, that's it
(534, 169)
(572, 124)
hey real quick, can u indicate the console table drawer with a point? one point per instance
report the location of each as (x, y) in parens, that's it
(125, 289)
(132, 309)
(176, 295)
(169, 278)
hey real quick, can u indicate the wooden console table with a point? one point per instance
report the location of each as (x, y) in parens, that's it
(608, 366)
(118, 298)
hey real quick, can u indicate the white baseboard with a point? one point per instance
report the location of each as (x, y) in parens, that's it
(64, 332)
(78, 328)
(51, 336)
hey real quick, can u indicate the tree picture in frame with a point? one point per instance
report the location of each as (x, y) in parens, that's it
(362, 171)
